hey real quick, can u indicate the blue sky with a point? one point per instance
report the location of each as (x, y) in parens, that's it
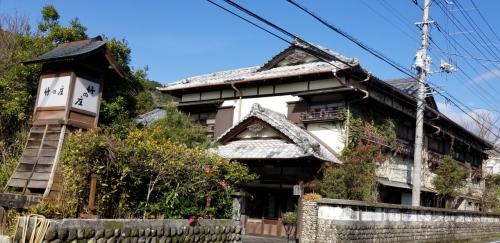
(178, 39)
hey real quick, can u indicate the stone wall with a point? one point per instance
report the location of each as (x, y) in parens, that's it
(135, 230)
(333, 220)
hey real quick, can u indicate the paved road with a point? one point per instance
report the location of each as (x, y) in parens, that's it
(259, 239)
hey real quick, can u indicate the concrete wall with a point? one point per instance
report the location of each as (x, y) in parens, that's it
(136, 230)
(333, 220)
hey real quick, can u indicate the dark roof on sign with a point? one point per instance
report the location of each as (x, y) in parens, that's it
(70, 51)
(410, 87)
(300, 144)
(295, 60)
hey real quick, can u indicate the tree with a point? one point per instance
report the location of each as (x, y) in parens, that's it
(491, 195)
(355, 179)
(18, 83)
(484, 125)
(450, 177)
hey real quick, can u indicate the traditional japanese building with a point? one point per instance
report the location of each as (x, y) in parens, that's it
(289, 117)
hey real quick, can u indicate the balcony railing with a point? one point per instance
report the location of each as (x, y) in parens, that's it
(399, 146)
(434, 159)
(375, 139)
(403, 147)
(335, 115)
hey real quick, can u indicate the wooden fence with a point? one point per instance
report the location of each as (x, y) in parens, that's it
(3, 221)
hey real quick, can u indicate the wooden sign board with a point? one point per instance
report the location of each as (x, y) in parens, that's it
(68, 98)
(53, 92)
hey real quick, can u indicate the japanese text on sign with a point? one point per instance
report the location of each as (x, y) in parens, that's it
(86, 95)
(53, 91)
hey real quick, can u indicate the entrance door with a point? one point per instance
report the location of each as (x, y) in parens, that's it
(265, 209)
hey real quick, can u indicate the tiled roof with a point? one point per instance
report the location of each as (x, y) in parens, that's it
(251, 73)
(261, 149)
(407, 85)
(410, 86)
(337, 62)
(69, 51)
(150, 117)
(306, 144)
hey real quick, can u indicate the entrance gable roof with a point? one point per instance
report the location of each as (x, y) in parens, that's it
(297, 141)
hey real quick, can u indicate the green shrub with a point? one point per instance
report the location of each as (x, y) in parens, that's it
(289, 218)
(355, 178)
(148, 174)
(450, 177)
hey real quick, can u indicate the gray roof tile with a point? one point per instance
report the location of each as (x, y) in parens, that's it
(261, 149)
(150, 117)
(306, 143)
(257, 73)
(69, 51)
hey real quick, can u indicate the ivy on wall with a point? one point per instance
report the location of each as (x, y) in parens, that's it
(355, 178)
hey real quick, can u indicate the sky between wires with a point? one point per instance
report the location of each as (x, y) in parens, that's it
(178, 39)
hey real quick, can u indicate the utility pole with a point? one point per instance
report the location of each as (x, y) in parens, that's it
(422, 62)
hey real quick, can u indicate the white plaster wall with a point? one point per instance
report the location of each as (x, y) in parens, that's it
(275, 103)
(374, 213)
(332, 134)
(395, 168)
(468, 204)
(492, 166)
(265, 133)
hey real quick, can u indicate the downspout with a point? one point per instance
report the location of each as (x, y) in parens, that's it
(367, 77)
(367, 94)
(438, 129)
(239, 101)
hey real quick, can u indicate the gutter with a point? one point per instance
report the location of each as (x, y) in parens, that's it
(239, 101)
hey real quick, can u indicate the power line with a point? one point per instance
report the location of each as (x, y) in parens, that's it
(447, 37)
(457, 22)
(484, 19)
(319, 57)
(473, 24)
(250, 22)
(294, 36)
(374, 53)
(471, 57)
(281, 38)
(388, 21)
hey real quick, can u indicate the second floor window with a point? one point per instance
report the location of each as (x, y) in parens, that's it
(405, 131)
(326, 107)
(436, 144)
(204, 118)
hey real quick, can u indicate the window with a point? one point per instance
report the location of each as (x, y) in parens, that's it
(436, 144)
(405, 131)
(203, 118)
(330, 107)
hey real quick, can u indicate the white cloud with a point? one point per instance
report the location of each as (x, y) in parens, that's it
(487, 75)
